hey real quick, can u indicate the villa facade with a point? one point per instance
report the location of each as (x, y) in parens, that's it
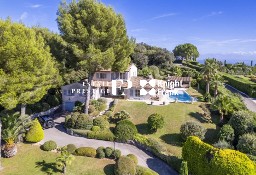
(127, 85)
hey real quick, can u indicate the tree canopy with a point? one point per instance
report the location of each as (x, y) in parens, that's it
(96, 34)
(27, 69)
(186, 51)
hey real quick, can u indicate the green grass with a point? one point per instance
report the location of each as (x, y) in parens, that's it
(175, 115)
(31, 160)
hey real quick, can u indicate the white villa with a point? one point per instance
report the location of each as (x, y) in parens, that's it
(127, 85)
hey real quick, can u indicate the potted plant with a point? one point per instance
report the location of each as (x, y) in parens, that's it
(13, 125)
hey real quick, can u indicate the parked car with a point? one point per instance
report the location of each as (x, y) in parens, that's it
(46, 121)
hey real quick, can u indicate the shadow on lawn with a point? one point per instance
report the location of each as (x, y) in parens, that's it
(143, 128)
(49, 168)
(199, 117)
(109, 169)
(172, 139)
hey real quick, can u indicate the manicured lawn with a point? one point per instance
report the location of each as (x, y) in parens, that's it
(175, 115)
(31, 160)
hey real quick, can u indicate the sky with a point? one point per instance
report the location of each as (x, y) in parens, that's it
(224, 29)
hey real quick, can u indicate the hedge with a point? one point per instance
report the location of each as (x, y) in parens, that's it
(71, 148)
(101, 135)
(36, 132)
(243, 85)
(203, 158)
(85, 151)
(134, 158)
(125, 130)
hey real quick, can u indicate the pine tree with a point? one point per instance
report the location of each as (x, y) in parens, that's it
(97, 36)
(27, 69)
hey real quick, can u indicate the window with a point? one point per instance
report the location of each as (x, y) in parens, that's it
(137, 93)
(68, 93)
(122, 76)
(131, 92)
(113, 76)
(101, 75)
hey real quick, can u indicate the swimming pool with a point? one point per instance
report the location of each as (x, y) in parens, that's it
(180, 95)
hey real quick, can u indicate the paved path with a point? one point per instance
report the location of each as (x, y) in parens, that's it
(249, 102)
(59, 135)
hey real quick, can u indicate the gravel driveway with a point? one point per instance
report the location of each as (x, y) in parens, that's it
(58, 134)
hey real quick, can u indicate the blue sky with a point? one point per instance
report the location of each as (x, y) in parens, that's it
(224, 29)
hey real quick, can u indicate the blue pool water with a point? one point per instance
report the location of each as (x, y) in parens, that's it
(181, 95)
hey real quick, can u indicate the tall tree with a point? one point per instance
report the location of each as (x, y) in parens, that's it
(209, 71)
(186, 51)
(97, 36)
(26, 66)
(216, 82)
(68, 64)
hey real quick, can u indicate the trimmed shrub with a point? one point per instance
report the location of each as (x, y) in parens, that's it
(117, 154)
(91, 109)
(109, 152)
(144, 171)
(192, 129)
(101, 122)
(101, 135)
(133, 157)
(95, 128)
(35, 133)
(85, 151)
(100, 152)
(227, 133)
(49, 145)
(247, 144)
(125, 166)
(184, 168)
(242, 122)
(71, 148)
(203, 158)
(125, 130)
(155, 121)
(83, 122)
(222, 144)
(122, 115)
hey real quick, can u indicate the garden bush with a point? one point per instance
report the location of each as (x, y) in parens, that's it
(101, 153)
(242, 122)
(83, 122)
(192, 129)
(85, 151)
(49, 145)
(144, 171)
(99, 104)
(155, 121)
(109, 152)
(133, 157)
(101, 135)
(91, 109)
(184, 168)
(35, 133)
(203, 158)
(109, 114)
(96, 128)
(71, 148)
(223, 144)
(101, 122)
(122, 115)
(247, 144)
(117, 154)
(125, 130)
(227, 133)
(125, 166)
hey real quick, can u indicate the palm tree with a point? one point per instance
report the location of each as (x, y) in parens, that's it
(223, 104)
(217, 81)
(13, 125)
(209, 71)
(65, 159)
